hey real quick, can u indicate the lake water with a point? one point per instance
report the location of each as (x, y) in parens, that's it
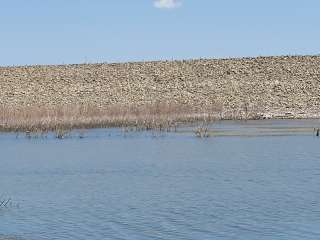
(254, 180)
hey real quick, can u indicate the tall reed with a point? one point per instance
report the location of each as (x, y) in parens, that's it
(160, 116)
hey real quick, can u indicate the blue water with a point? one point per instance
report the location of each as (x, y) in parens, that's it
(172, 186)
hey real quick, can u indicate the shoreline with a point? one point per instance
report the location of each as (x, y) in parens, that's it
(214, 129)
(159, 117)
(158, 94)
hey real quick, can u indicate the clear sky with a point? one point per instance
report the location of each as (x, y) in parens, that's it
(77, 31)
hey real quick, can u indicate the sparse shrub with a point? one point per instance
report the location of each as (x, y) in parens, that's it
(61, 133)
(202, 132)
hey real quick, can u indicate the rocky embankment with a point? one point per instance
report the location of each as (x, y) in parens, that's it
(287, 86)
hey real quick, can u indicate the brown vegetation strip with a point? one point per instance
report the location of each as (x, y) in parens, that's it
(159, 116)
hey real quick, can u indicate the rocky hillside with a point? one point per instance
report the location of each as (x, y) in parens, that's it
(286, 86)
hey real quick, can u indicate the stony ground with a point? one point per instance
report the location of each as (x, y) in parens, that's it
(273, 86)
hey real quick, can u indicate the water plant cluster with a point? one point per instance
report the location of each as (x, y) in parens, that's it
(202, 132)
(7, 203)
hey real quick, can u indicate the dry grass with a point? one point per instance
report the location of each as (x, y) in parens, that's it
(38, 120)
(62, 118)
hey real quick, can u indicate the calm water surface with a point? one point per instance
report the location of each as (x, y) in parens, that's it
(154, 186)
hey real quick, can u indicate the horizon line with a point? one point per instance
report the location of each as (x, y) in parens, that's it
(162, 60)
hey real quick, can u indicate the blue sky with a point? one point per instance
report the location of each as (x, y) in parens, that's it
(77, 31)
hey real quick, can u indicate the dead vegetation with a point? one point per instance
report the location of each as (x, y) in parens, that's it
(202, 132)
(35, 120)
